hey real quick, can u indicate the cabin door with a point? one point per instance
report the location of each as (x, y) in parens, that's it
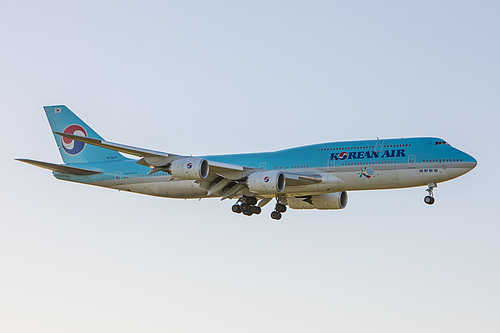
(379, 145)
(411, 161)
(118, 178)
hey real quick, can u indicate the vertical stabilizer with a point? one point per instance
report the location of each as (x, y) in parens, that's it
(63, 120)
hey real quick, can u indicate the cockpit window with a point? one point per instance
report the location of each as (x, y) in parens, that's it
(441, 143)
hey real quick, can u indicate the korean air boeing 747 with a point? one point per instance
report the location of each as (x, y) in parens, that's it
(309, 177)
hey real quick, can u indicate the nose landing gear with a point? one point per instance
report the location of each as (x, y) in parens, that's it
(430, 198)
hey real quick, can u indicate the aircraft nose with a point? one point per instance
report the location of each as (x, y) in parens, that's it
(474, 162)
(471, 161)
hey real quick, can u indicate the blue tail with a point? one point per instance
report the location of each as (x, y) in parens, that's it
(61, 119)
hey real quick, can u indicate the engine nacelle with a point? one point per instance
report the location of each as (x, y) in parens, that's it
(266, 182)
(192, 168)
(336, 200)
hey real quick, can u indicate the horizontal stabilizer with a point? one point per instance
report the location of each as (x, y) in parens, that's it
(61, 168)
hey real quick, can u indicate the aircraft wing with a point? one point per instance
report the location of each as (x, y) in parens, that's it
(140, 152)
(157, 160)
(224, 178)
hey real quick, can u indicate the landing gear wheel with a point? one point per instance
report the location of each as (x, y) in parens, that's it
(280, 208)
(275, 215)
(255, 210)
(236, 209)
(251, 200)
(429, 200)
(245, 207)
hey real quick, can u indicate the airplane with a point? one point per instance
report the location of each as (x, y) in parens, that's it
(315, 176)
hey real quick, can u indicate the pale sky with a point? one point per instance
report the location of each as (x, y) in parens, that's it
(197, 77)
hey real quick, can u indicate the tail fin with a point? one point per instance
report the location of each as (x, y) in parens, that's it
(63, 120)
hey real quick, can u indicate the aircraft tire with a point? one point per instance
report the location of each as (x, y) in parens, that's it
(255, 209)
(275, 215)
(281, 208)
(245, 207)
(251, 200)
(236, 209)
(429, 200)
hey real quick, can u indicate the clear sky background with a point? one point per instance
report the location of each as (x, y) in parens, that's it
(198, 77)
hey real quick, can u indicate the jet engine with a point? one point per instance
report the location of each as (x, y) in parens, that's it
(266, 182)
(336, 200)
(192, 168)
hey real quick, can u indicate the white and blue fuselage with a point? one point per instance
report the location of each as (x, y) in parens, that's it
(351, 166)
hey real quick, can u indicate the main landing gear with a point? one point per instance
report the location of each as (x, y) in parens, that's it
(430, 198)
(276, 214)
(246, 205)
